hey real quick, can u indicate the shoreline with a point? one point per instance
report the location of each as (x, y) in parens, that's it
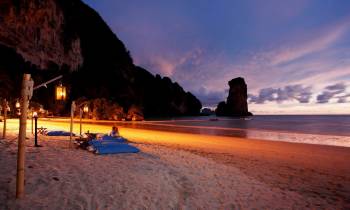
(159, 123)
(250, 134)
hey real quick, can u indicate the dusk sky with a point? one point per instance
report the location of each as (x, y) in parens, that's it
(294, 55)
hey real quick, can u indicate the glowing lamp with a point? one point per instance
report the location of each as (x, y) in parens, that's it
(61, 93)
(35, 114)
(18, 105)
(86, 108)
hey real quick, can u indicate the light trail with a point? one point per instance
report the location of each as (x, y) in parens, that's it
(208, 139)
(184, 140)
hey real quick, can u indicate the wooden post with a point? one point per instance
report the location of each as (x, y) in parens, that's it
(5, 116)
(26, 92)
(72, 109)
(31, 117)
(36, 132)
(81, 116)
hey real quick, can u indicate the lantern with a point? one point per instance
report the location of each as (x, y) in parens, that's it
(60, 93)
(18, 105)
(35, 114)
(86, 108)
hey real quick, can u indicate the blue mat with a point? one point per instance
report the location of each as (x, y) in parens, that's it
(59, 133)
(106, 137)
(108, 141)
(116, 148)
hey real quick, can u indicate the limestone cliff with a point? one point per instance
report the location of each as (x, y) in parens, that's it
(35, 30)
(236, 103)
(51, 37)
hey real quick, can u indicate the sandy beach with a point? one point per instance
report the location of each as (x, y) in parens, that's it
(174, 105)
(178, 171)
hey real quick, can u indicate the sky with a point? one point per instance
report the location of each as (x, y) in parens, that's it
(293, 54)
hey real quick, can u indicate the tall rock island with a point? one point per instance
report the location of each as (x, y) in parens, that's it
(52, 37)
(236, 104)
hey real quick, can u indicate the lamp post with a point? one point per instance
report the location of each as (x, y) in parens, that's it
(72, 110)
(81, 111)
(18, 107)
(85, 109)
(32, 119)
(5, 108)
(35, 116)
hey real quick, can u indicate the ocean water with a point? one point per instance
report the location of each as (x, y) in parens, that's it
(313, 129)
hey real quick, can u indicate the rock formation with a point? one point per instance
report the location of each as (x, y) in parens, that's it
(51, 37)
(236, 103)
(34, 30)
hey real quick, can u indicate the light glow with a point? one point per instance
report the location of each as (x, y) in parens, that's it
(61, 93)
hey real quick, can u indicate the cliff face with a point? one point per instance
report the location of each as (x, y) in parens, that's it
(236, 103)
(35, 30)
(68, 37)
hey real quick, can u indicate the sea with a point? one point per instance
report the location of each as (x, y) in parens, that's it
(312, 129)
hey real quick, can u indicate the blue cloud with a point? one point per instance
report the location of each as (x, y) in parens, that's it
(290, 92)
(333, 91)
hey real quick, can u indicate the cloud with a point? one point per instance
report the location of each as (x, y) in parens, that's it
(210, 98)
(170, 64)
(290, 92)
(164, 66)
(340, 87)
(333, 91)
(343, 99)
(323, 41)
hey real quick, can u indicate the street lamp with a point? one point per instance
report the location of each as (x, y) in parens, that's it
(61, 93)
(35, 116)
(85, 109)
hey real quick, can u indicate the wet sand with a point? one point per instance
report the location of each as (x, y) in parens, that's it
(314, 171)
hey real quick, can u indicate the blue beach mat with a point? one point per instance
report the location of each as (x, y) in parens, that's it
(95, 142)
(59, 133)
(111, 145)
(115, 148)
(99, 143)
(106, 137)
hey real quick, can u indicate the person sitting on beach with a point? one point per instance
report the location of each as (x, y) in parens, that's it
(114, 132)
